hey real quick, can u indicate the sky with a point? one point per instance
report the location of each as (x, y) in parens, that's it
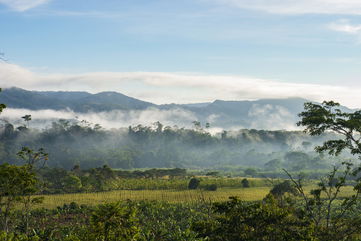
(185, 51)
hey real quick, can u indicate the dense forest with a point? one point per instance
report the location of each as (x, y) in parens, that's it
(71, 143)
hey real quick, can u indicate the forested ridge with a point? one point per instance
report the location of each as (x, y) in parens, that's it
(70, 143)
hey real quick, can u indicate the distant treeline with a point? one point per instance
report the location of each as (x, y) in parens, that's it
(58, 180)
(71, 143)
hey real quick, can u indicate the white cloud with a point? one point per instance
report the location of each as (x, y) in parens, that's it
(22, 5)
(271, 117)
(267, 117)
(352, 7)
(161, 87)
(111, 119)
(344, 26)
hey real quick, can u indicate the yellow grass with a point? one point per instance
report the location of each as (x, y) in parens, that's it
(247, 194)
(222, 194)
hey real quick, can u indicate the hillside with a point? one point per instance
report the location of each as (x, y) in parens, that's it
(76, 101)
(259, 114)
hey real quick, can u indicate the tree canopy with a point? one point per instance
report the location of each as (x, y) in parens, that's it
(329, 117)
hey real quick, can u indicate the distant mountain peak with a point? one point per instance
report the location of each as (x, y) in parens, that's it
(78, 101)
(228, 114)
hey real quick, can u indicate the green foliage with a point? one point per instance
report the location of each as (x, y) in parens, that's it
(211, 187)
(250, 172)
(328, 116)
(274, 164)
(114, 222)
(245, 183)
(212, 174)
(284, 187)
(237, 220)
(161, 221)
(330, 214)
(33, 158)
(193, 183)
(17, 183)
(297, 160)
(6, 236)
(72, 184)
(72, 142)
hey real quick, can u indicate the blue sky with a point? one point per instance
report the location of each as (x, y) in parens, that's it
(185, 51)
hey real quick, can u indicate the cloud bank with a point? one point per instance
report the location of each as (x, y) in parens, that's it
(22, 5)
(295, 7)
(271, 117)
(108, 120)
(162, 88)
(268, 117)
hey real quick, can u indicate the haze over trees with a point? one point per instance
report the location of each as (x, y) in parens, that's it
(81, 143)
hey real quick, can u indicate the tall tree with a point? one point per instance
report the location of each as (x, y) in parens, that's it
(2, 106)
(328, 117)
(17, 183)
(333, 220)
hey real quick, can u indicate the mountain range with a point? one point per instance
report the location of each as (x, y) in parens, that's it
(258, 114)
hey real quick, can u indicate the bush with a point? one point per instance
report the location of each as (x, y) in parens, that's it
(211, 187)
(193, 183)
(212, 174)
(245, 183)
(113, 221)
(282, 188)
(250, 172)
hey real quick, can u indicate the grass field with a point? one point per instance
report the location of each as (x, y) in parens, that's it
(247, 194)
(222, 194)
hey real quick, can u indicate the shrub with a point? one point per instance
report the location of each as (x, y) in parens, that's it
(193, 183)
(250, 172)
(283, 187)
(112, 221)
(245, 183)
(211, 187)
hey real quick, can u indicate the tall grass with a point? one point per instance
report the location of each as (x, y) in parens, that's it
(172, 196)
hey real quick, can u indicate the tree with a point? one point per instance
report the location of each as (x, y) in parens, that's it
(328, 117)
(197, 125)
(333, 221)
(193, 183)
(250, 172)
(2, 106)
(211, 187)
(333, 217)
(33, 158)
(273, 164)
(27, 119)
(17, 183)
(245, 183)
(284, 187)
(72, 183)
(114, 222)
(297, 160)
